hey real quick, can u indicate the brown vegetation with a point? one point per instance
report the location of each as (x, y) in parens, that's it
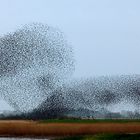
(32, 128)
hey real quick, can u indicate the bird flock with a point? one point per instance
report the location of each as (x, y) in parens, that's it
(36, 67)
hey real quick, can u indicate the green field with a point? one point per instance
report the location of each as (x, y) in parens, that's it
(90, 121)
(105, 137)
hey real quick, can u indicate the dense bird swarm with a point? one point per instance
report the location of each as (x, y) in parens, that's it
(36, 63)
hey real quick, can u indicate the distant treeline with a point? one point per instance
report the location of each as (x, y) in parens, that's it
(72, 114)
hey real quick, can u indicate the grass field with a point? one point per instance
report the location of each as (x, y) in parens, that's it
(90, 121)
(104, 137)
(55, 128)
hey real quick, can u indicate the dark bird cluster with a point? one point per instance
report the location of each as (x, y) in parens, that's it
(36, 64)
(34, 61)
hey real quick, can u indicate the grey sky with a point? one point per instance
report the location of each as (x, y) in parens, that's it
(105, 34)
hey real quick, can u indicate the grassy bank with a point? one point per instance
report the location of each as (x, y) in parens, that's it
(105, 137)
(90, 121)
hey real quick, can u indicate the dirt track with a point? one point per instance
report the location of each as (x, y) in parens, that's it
(31, 128)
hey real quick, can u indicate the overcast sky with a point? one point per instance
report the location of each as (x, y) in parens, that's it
(105, 34)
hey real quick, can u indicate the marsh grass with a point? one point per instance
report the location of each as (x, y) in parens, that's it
(55, 129)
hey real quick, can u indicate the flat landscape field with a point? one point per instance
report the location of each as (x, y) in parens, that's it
(54, 128)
